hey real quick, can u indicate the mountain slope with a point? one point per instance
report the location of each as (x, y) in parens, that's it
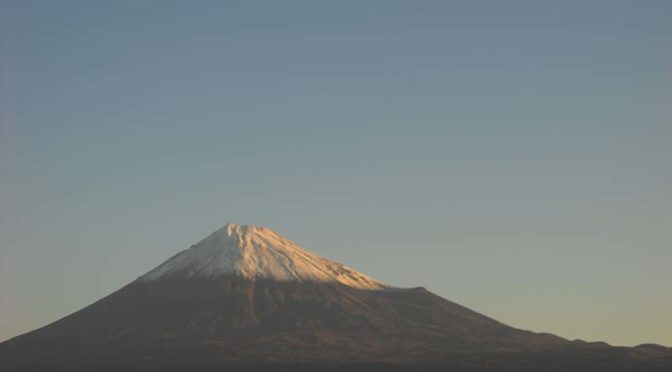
(247, 298)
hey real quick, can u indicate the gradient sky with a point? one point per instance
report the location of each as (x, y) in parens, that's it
(512, 156)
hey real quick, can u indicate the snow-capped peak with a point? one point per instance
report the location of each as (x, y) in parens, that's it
(254, 252)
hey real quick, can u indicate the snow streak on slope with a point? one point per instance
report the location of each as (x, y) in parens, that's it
(255, 252)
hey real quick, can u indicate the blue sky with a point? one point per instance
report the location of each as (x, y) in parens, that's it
(510, 156)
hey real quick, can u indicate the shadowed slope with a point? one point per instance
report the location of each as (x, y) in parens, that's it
(237, 319)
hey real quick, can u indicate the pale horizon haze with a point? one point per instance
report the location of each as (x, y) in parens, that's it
(511, 156)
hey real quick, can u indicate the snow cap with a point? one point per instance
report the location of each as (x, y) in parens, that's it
(254, 252)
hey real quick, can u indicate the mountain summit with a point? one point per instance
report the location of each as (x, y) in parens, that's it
(247, 299)
(254, 252)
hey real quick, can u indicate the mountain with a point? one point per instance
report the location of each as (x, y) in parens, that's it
(248, 299)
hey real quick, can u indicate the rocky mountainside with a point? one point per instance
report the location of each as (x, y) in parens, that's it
(247, 299)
